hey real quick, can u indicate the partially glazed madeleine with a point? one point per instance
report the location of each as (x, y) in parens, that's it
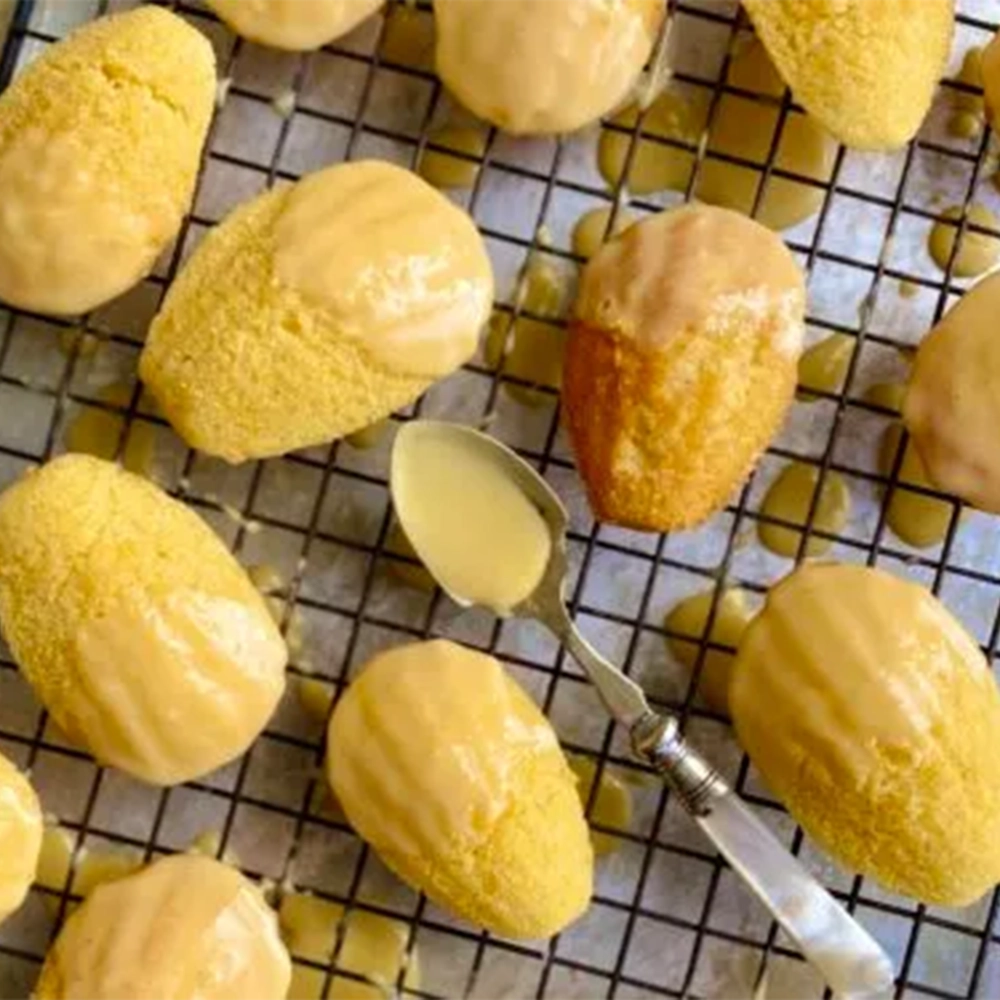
(952, 404)
(296, 25)
(94, 184)
(317, 309)
(449, 770)
(866, 69)
(138, 630)
(681, 363)
(184, 928)
(20, 837)
(874, 717)
(542, 66)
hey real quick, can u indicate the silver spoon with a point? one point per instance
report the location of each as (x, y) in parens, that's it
(845, 954)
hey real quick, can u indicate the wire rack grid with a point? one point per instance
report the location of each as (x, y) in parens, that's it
(668, 917)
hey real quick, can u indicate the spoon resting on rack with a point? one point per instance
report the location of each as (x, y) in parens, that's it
(492, 532)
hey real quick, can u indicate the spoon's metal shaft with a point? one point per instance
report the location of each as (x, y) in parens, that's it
(850, 960)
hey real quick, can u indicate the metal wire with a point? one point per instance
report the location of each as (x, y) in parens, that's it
(559, 967)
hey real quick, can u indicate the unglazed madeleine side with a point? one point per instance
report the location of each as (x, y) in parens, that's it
(866, 69)
(295, 25)
(317, 309)
(100, 143)
(681, 364)
(873, 716)
(136, 627)
(451, 772)
(533, 67)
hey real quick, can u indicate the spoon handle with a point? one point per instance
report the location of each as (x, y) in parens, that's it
(845, 954)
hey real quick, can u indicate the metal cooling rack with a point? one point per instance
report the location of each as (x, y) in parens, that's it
(668, 918)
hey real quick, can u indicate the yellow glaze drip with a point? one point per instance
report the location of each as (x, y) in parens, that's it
(612, 805)
(183, 927)
(549, 67)
(743, 128)
(369, 437)
(823, 367)
(295, 25)
(689, 618)
(966, 121)
(373, 947)
(20, 836)
(867, 709)
(393, 263)
(472, 525)
(316, 697)
(977, 252)
(450, 771)
(591, 230)
(446, 171)
(789, 499)
(98, 432)
(921, 521)
(952, 406)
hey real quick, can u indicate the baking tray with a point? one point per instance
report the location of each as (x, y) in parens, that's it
(668, 917)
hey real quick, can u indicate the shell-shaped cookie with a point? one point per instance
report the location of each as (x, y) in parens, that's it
(541, 66)
(873, 716)
(952, 404)
(681, 363)
(100, 141)
(315, 310)
(20, 837)
(866, 69)
(185, 928)
(449, 770)
(296, 25)
(138, 630)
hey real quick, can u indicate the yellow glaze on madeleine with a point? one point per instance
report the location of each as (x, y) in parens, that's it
(317, 309)
(873, 716)
(989, 65)
(100, 141)
(449, 770)
(20, 837)
(184, 928)
(296, 25)
(542, 66)
(138, 630)
(866, 69)
(681, 363)
(952, 404)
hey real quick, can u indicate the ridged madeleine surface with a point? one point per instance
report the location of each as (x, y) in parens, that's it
(449, 770)
(873, 716)
(184, 928)
(866, 69)
(317, 309)
(100, 141)
(681, 364)
(138, 630)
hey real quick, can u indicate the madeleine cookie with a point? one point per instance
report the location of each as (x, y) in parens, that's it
(681, 364)
(873, 716)
(186, 927)
(449, 770)
(296, 25)
(952, 404)
(317, 309)
(866, 69)
(138, 630)
(540, 66)
(100, 141)
(20, 837)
